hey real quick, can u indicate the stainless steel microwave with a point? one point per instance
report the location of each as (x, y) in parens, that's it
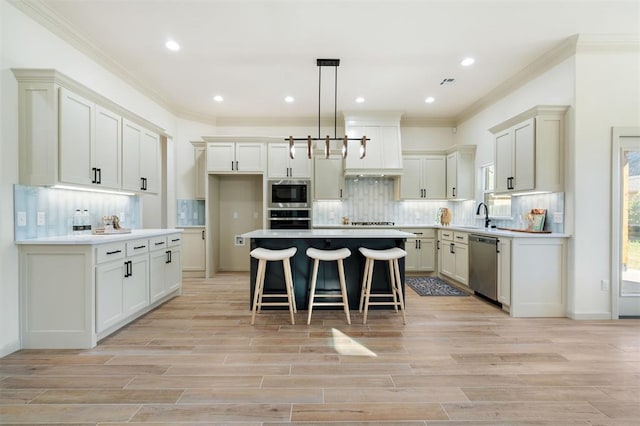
(289, 194)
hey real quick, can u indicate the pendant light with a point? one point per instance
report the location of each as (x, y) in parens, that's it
(335, 63)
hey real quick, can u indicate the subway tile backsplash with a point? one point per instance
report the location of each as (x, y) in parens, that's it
(190, 213)
(372, 199)
(59, 205)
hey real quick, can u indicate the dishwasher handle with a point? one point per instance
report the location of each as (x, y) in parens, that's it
(482, 239)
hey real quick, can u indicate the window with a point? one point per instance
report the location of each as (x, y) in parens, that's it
(499, 205)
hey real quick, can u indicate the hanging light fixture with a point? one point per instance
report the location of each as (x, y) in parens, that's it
(363, 141)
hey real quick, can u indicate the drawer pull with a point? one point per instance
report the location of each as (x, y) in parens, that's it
(459, 237)
(138, 247)
(114, 252)
(160, 243)
(175, 240)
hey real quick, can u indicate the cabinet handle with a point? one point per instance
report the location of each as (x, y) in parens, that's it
(458, 237)
(340, 192)
(419, 245)
(203, 234)
(114, 252)
(99, 179)
(126, 269)
(175, 240)
(143, 186)
(93, 173)
(168, 252)
(160, 243)
(237, 168)
(438, 245)
(138, 247)
(232, 166)
(452, 248)
(453, 191)
(416, 245)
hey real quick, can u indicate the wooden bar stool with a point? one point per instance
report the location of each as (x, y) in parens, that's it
(328, 255)
(264, 255)
(390, 255)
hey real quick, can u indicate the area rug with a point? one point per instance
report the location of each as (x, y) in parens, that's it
(432, 286)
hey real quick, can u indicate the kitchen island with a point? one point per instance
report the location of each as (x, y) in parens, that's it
(325, 239)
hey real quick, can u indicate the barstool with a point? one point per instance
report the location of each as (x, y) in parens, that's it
(328, 255)
(391, 255)
(264, 255)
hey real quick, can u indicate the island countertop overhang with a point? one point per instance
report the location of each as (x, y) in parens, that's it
(327, 233)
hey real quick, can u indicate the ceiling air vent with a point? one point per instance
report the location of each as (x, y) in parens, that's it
(447, 81)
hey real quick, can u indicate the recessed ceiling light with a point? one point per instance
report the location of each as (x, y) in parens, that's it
(289, 99)
(467, 62)
(172, 45)
(218, 98)
(430, 100)
(359, 99)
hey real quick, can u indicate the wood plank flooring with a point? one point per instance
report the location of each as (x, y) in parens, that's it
(458, 361)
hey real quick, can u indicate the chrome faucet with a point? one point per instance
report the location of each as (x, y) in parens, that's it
(486, 214)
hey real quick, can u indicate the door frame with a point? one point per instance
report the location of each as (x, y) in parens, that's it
(618, 134)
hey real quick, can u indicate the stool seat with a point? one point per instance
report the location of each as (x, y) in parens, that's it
(390, 256)
(386, 254)
(315, 253)
(337, 255)
(265, 255)
(269, 254)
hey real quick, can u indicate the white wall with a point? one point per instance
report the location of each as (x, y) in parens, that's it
(426, 138)
(32, 46)
(607, 95)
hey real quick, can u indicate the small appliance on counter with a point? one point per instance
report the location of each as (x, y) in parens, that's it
(111, 225)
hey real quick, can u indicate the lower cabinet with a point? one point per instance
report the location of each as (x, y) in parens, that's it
(421, 251)
(193, 252)
(504, 273)
(165, 269)
(453, 252)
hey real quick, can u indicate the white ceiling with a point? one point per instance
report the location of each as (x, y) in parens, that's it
(393, 53)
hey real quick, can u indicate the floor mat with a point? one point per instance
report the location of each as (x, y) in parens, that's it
(432, 286)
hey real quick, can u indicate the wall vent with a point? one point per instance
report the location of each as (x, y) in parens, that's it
(447, 81)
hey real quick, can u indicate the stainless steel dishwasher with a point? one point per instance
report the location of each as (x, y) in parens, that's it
(483, 265)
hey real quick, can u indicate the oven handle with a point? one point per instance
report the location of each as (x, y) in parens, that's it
(290, 218)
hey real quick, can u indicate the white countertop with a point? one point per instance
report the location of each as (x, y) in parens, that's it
(462, 228)
(328, 233)
(90, 239)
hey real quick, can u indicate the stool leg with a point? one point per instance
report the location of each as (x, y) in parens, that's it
(258, 289)
(363, 287)
(368, 289)
(312, 293)
(392, 282)
(343, 289)
(399, 288)
(289, 284)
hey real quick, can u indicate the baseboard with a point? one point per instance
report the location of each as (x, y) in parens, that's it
(589, 316)
(9, 348)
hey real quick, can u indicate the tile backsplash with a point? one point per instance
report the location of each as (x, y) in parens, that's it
(58, 207)
(190, 213)
(372, 199)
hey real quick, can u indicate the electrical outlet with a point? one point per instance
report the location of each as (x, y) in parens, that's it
(235, 215)
(557, 217)
(239, 240)
(41, 219)
(604, 285)
(22, 218)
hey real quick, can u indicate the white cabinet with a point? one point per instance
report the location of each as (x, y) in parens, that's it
(165, 265)
(454, 255)
(281, 165)
(140, 158)
(109, 294)
(236, 157)
(200, 171)
(460, 172)
(421, 251)
(106, 149)
(504, 272)
(529, 151)
(193, 252)
(76, 138)
(328, 179)
(383, 151)
(423, 178)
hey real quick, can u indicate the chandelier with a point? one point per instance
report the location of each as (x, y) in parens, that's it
(335, 63)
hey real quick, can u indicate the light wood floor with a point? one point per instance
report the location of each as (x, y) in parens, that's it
(458, 361)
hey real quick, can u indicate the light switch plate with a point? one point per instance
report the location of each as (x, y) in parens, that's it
(557, 217)
(22, 218)
(41, 219)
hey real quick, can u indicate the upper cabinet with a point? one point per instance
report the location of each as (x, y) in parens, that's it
(460, 173)
(235, 157)
(424, 177)
(328, 182)
(280, 165)
(200, 162)
(529, 151)
(140, 158)
(383, 150)
(72, 135)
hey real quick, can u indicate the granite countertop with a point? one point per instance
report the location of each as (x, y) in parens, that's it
(328, 233)
(91, 239)
(461, 228)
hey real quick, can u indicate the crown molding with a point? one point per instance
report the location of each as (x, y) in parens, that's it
(613, 43)
(550, 59)
(427, 122)
(40, 12)
(312, 122)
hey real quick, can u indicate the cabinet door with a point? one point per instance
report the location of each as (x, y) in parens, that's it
(435, 177)
(157, 286)
(200, 172)
(221, 157)
(503, 161)
(109, 294)
(300, 166)
(452, 175)
(131, 137)
(411, 185)
(150, 161)
(250, 157)
(504, 272)
(76, 138)
(328, 179)
(106, 148)
(427, 251)
(193, 247)
(447, 259)
(136, 285)
(374, 158)
(412, 260)
(462, 263)
(278, 160)
(173, 270)
(524, 156)
(390, 145)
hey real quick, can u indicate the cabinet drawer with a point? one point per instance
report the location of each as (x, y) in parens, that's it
(446, 235)
(158, 243)
(109, 252)
(137, 247)
(421, 232)
(174, 240)
(461, 237)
